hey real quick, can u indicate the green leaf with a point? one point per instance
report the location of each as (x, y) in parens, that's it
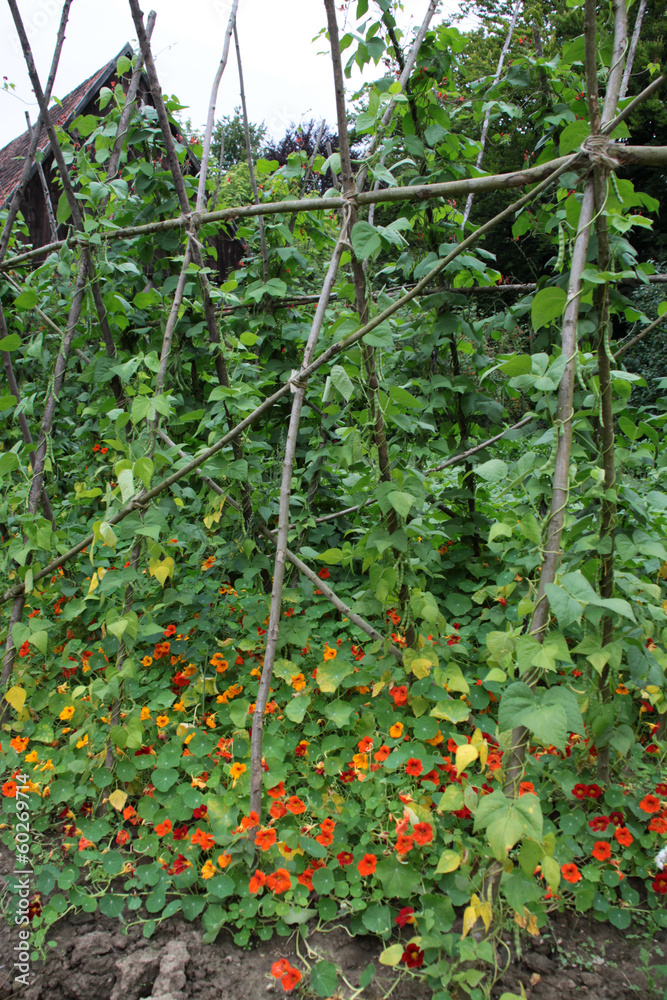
(164, 777)
(324, 977)
(399, 880)
(8, 463)
(26, 300)
(401, 502)
(10, 343)
(323, 881)
(143, 468)
(330, 675)
(572, 137)
(492, 471)
(547, 306)
(377, 919)
(341, 382)
(366, 240)
(339, 713)
(296, 709)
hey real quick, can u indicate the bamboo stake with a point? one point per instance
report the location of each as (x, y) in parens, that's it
(17, 196)
(647, 155)
(304, 569)
(487, 116)
(210, 121)
(565, 413)
(139, 502)
(251, 166)
(633, 49)
(130, 98)
(640, 336)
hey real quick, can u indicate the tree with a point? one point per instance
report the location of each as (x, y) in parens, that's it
(230, 128)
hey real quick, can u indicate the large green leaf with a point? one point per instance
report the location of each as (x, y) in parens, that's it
(548, 305)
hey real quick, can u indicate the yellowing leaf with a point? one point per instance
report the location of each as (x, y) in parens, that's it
(421, 667)
(449, 862)
(485, 911)
(288, 852)
(465, 755)
(162, 569)
(118, 798)
(16, 698)
(469, 919)
(94, 583)
(527, 922)
(392, 956)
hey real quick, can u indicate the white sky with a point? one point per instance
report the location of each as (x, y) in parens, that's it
(285, 78)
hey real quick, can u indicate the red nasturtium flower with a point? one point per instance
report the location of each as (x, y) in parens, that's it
(661, 789)
(659, 883)
(593, 791)
(414, 767)
(399, 694)
(405, 916)
(278, 810)
(344, 858)
(623, 836)
(658, 824)
(413, 956)
(367, 865)
(122, 837)
(295, 805)
(279, 968)
(617, 818)
(650, 804)
(525, 787)
(580, 791)
(291, 979)
(249, 821)
(601, 850)
(570, 872)
(324, 573)
(599, 824)
(423, 833)
(277, 791)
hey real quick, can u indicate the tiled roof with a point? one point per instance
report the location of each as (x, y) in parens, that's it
(13, 154)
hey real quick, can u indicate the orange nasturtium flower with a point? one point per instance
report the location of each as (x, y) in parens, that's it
(67, 713)
(236, 770)
(649, 804)
(403, 845)
(298, 682)
(9, 789)
(295, 805)
(570, 872)
(396, 730)
(207, 563)
(265, 838)
(224, 859)
(329, 653)
(162, 829)
(162, 721)
(279, 968)
(257, 881)
(205, 840)
(623, 836)
(209, 870)
(280, 881)
(277, 791)
(145, 713)
(146, 661)
(249, 821)
(367, 864)
(278, 810)
(601, 850)
(19, 743)
(382, 754)
(290, 979)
